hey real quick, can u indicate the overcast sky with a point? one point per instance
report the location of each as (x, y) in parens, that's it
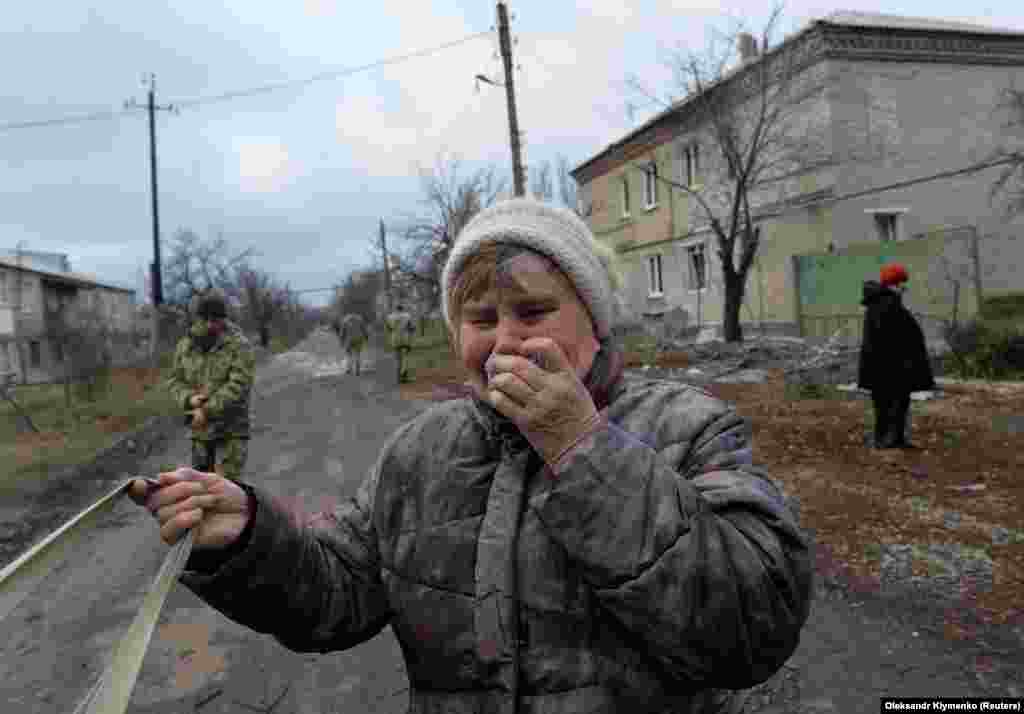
(303, 175)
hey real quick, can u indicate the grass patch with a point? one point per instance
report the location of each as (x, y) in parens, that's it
(70, 436)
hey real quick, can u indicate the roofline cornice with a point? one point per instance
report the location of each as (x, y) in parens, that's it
(818, 41)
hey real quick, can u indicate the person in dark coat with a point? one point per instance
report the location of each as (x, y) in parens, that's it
(893, 357)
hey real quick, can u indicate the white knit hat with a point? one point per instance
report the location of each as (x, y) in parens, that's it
(550, 230)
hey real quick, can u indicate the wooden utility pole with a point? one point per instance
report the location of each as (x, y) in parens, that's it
(387, 265)
(518, 179)
(156, 272)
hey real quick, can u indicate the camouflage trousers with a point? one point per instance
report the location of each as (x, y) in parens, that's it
(353, 354)
(402, 358)
(229, 453)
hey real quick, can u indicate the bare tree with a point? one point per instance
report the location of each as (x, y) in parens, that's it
(81, 336)
(1010, 184)
(358, 295)
(756, 130)
(542, 185)
(451, 197)
(553, 181)
(195, 264)
(259, 300)
(292, 319)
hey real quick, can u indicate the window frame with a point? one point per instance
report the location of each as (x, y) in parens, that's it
(896, 215)
(688, 166)
(655, 273)
(650, 186)
(691, 251)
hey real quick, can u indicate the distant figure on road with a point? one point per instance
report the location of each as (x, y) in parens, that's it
(893, 357)
(401, 329)
(353, 334)
(561, 539)
(212, 376)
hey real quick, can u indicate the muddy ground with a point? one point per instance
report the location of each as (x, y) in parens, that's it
(946, 516)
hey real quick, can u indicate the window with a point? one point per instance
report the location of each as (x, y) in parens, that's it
(887, 226)
(651, 186)
(689, 165)
(654, 275)
(3, 287)
(58, 351)
(698, 266)
(35, 354)
(625, 197)
(888, 223)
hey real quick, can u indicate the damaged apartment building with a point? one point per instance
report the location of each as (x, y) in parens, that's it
(43, 304)
(908, 112)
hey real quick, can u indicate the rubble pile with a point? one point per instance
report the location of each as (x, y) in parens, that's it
(801, 361)
(830, 364)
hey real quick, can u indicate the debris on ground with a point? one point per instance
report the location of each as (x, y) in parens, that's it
(803, 362)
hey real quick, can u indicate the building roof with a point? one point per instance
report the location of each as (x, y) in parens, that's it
(80, 279)
(853, 18)
(842, 18)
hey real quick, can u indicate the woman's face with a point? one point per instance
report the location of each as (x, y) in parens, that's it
(531, 298)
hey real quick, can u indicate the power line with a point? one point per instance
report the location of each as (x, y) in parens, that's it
(199, 101)
(325, 76)
(81, 118)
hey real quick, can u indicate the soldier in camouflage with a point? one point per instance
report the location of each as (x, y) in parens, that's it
(352, 333)
(401, 328)
(212, 376)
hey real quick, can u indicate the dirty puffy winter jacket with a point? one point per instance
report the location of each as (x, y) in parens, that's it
(657, 570)
(893, 355)
(227, 372)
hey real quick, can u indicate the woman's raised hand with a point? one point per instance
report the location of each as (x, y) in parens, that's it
(216, 508)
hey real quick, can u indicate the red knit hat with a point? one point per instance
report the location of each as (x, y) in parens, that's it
(893, 274)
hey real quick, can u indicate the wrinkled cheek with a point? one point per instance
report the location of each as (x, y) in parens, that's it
(473, 352)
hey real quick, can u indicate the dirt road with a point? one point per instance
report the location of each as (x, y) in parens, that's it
(316, 432)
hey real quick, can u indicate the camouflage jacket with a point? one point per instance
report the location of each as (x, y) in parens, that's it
(352, 330)
(401, 328)
(653, 569)
(227, 372)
